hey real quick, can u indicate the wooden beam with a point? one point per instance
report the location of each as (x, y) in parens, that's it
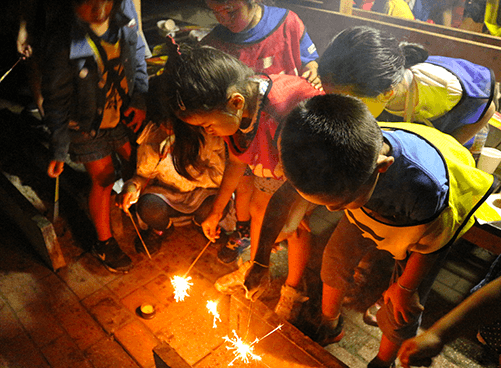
(323, 24)
(38, 230)
(434, 28)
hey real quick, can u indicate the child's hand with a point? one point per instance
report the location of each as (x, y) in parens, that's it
(55, 168)
(135, 118)
(419, 350)
(210, 226)
(311, 75)
(127, 197)
(406, 305)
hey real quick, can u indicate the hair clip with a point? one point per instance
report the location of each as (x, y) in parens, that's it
(175, 46)
(180, 101)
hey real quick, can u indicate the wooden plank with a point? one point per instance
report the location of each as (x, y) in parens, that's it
(437, 44)
(166, 357)
(435, 28)
(484, 236)
(286, 347)
(37, 229)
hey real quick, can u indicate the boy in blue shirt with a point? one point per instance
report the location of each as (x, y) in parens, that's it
(405, 188)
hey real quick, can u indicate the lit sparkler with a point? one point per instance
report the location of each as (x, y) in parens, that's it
(181, 286)
(240, 349)
(244, 351)
(212, 307)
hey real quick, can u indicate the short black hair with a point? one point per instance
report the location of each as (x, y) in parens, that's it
(329, 145)
(368, 60)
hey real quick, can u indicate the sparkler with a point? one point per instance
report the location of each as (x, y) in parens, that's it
(8, 71)
(139, 234)
(240, 349)
(244, 351)
(181, 287)
(181, 284)
(212, 307)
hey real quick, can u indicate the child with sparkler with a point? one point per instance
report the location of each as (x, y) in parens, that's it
(269, 40)
(211, 90)
(171, 188)
(94, 81)
(405, 188)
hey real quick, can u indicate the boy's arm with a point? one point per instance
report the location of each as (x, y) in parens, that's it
(480, 308)
(274, 220)
(468, 131)
(403, 293)
(233, 171)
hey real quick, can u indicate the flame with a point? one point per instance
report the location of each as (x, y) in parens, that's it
(212, 307)
(240, 349)
(181, 286)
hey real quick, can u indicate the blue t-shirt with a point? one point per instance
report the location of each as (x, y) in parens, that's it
(414, 188)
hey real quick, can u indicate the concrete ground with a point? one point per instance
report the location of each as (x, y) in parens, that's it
(84, 316)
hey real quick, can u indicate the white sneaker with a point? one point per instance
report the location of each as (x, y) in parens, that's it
(231, 282)
(290, 303)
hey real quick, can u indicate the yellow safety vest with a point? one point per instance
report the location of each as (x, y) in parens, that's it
(468, 189)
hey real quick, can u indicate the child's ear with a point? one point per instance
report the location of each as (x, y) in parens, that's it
(386, 96)
(384, 162)
(236, 101)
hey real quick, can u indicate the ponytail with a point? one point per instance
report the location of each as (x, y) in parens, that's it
(414, 53)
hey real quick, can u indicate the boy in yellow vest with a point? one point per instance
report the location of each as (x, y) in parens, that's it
(405, 188)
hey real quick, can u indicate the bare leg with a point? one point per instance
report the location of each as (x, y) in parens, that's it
(258, 205)
(243, 197)
(298, 256)
(387, 353)
(102, 174)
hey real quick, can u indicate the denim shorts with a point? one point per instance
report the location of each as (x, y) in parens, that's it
(86, 148)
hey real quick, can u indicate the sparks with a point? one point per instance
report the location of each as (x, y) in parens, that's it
(181, 287)
(212, 307)
(240, 349)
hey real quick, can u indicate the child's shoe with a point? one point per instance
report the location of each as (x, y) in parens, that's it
(111, 256)
(375, 363)
(152, 239)
(290, 303)
(230, 283)
(330, 331)
(238, 242)
(370, 315)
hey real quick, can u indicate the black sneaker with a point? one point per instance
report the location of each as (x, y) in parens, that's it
(112, 257)
(237, 243)
(327, 334)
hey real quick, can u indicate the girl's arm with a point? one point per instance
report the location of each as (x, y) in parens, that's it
(233, 171)
(481, 308)
(468, 131)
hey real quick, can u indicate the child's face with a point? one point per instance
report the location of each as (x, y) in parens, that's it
(348, 202)
(94, 11)
(217, 122)
(376, 104)
(236, 15)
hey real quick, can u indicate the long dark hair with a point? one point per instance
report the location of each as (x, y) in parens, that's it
(197, 78)
(371, 62)
(194, 79)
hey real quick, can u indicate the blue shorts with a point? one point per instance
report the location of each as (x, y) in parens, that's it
(86, 148)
